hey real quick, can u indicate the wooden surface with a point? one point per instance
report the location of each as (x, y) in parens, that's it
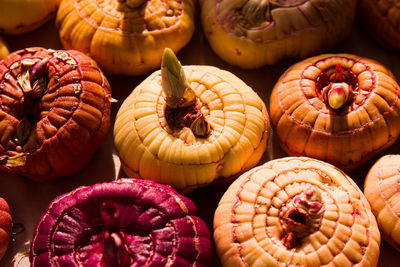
(28, 199)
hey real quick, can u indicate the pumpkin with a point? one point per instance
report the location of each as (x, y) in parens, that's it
(339, 108)
(5, 226)
(382, 191)
(189, 126)
(380, 20)
(253, 33)
(295, 211)
(126, 36)
(128, 222)
(55, 112)
(22, 16)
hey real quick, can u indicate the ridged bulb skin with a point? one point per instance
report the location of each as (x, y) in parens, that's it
(347, 137)
(122, 39)
(249, 228)
(284, 29)
(54, 129)
(127, 222)
(150, 148)
(382, 191)
(3, 48)
(23, 16)
(380, 18)
(5, 226)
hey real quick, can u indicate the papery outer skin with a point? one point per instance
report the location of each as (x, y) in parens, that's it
(247, 227)
(3, 48)
(305, 125)
(72, 117)
(296, 32)
(381, 188)
(380, 19)
(155, 220)
(149, 148)
(5, 226)
(22, 16)
(125, 43)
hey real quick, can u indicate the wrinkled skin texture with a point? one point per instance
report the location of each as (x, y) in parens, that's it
(54, 129)
(128, 222)
(366, 124)
(381, 188)
(125, 40)
(380, 19)
(251, 223)
(252, 35)
(151, 146)
(5, 226)
(22, 16)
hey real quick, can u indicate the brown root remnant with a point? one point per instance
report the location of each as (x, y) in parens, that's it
(254, 13)
(336, 86)
(190, 117)
(32, 81)
(301, 216)
(257, 13)
(16, 160)
(183, 108)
